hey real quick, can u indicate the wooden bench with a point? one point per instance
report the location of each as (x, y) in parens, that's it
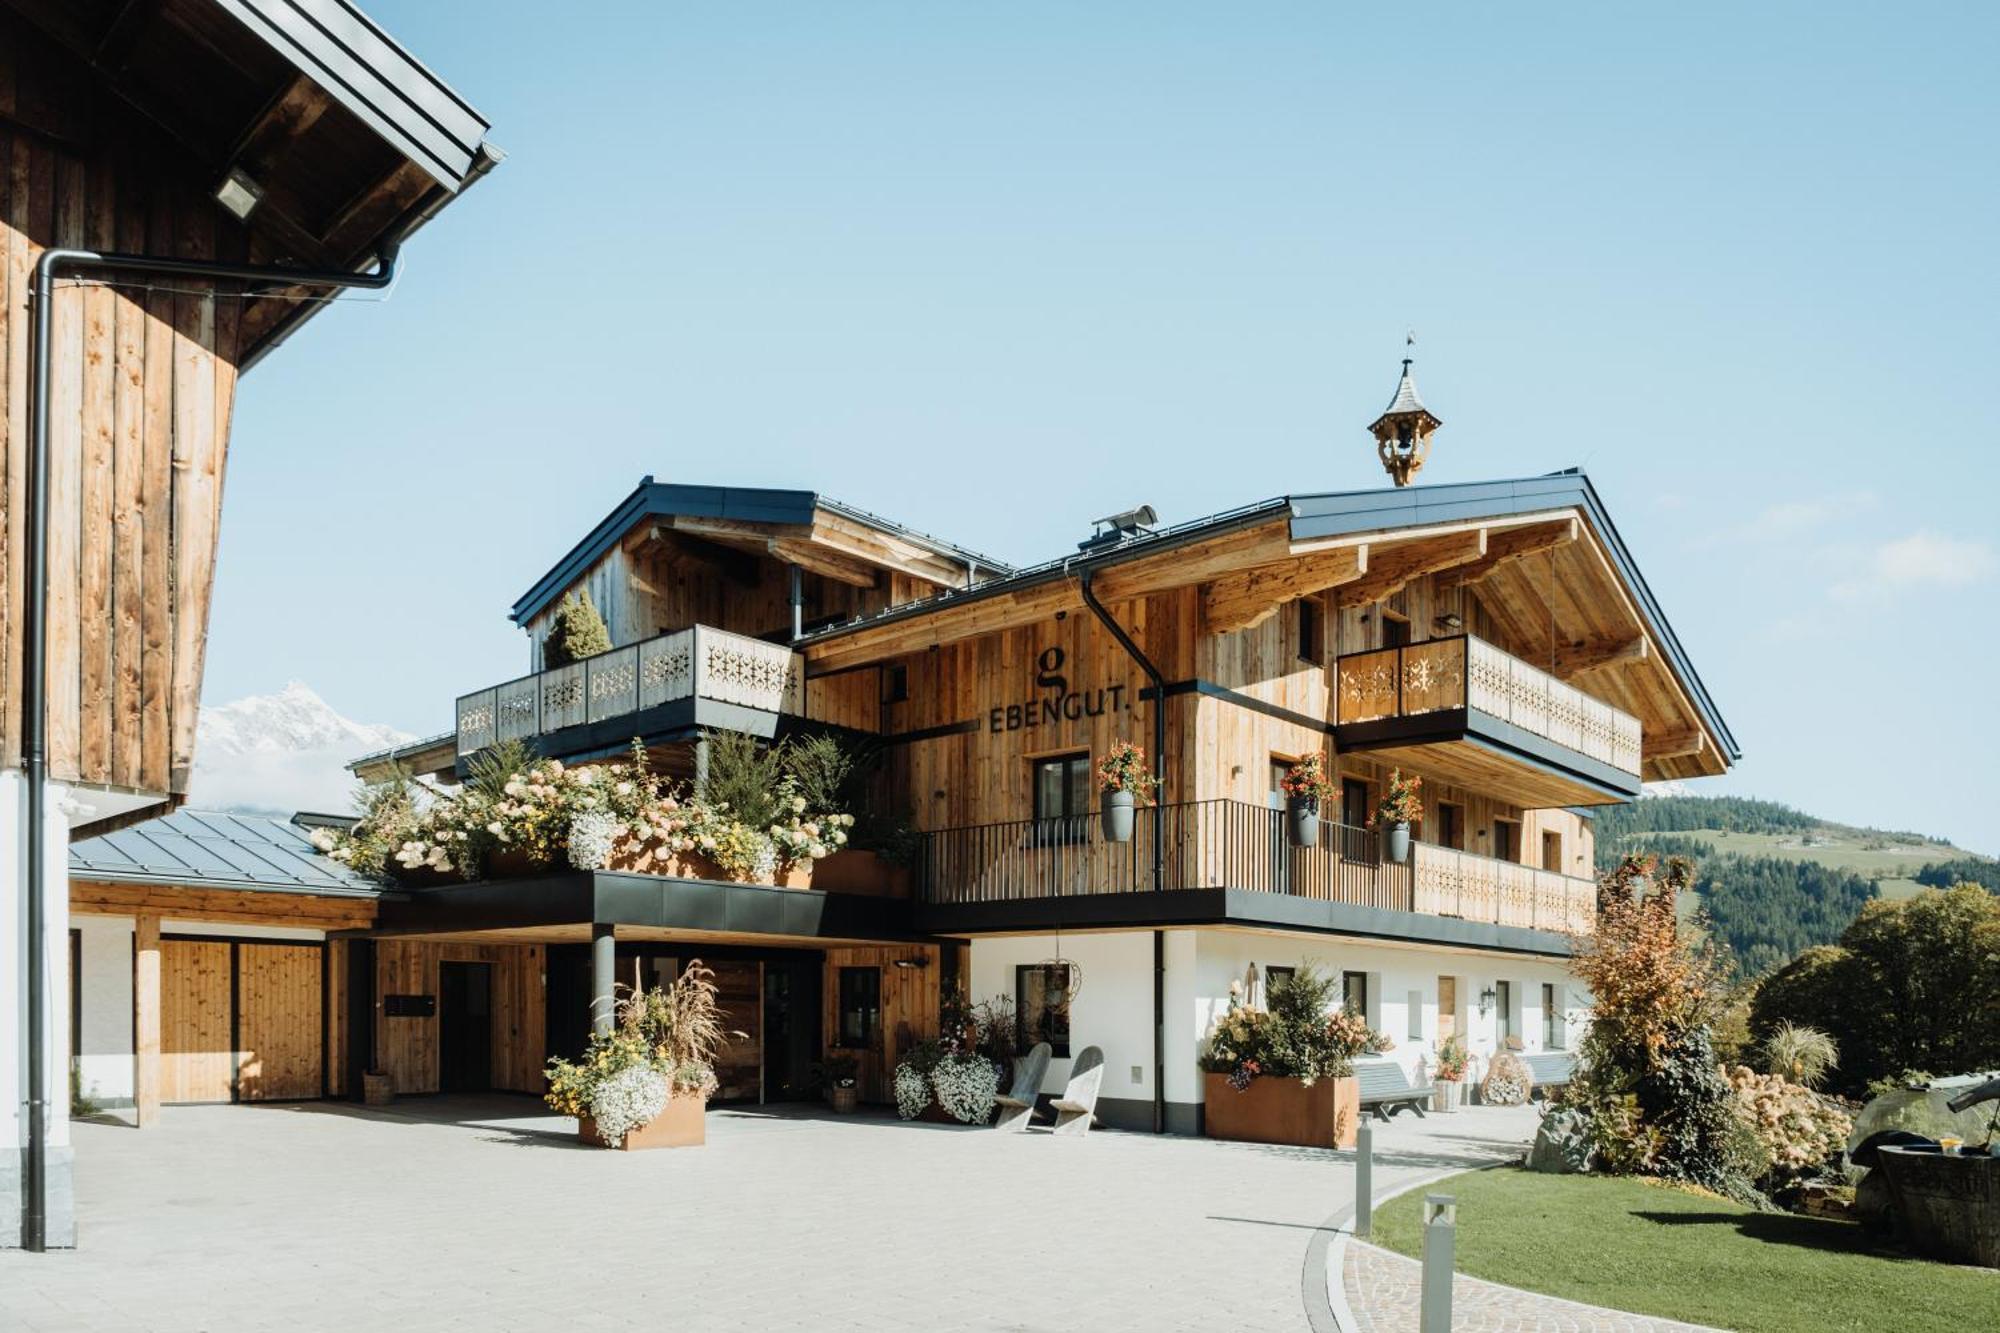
(1385, 1089)
(1551, 1070)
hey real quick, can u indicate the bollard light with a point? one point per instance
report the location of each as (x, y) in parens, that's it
(1364, 1179)
(1440, 1208)
(1434, 1300)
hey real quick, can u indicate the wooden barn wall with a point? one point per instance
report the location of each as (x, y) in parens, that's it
(407, 1048)
(850, 699)
(279, 1009)
(674, 583)
(910, 1008)
(140, 403)
(197, 1056)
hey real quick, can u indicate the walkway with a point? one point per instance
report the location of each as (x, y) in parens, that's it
(1382, 1295)
(447, 1212)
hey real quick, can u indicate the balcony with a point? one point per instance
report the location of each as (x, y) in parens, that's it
(1478, 716)
(698, 677)
(1061, 871)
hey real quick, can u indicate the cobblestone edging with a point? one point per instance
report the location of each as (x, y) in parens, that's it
(1382, 1291)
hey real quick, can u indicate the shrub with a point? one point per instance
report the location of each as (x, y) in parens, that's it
(913, 1091)
(1798, 1132)
(1803, 1055)
(672, 1031)
(577, 632)
(1302, 1033)
(966, 1086)
(745, 777)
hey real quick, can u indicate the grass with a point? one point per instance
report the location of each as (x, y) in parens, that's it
(1651, 1250)
(1883, 859)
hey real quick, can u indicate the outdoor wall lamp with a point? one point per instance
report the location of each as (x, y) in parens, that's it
(1450, 620)
(239, 193)
(918, 963)
(1486, 999)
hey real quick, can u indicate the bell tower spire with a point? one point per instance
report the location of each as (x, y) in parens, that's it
(1403, 431)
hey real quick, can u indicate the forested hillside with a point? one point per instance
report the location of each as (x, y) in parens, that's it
(1776, 880)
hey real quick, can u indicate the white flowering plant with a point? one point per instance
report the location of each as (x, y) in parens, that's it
(913, 1091)
(630, 1099)
(966, 1087)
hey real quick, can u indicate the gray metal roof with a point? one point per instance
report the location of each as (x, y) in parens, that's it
(207, 849)
(751, 504)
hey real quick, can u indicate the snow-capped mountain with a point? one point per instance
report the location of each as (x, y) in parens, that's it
(280, 753)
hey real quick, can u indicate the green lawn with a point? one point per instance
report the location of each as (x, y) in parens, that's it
(1886, 860)
(1649, 1250)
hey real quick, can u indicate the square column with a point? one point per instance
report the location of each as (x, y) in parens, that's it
(146, 1019)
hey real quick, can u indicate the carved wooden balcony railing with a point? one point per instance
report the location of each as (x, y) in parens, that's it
(1461, 673)
(696, 663)
(1236, 845)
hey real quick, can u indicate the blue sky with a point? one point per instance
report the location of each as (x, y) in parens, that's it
(994, 270)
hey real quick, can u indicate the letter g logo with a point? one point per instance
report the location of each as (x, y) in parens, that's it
(1049, 676)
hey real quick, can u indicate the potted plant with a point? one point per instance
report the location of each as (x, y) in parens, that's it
(1123, 780)
(1285, 1073)
(1448, 1081)
(1307, 787)
(1400, 807)
(843, 1074)
(378, 1088)
(646, 1083)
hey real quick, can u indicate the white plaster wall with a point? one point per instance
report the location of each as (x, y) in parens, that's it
(13, 959)
(1113, 1009)
(104, 1053)
(170, 926)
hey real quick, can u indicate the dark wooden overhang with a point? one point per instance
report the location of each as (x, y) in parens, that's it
(1480, 751)
(1234, 907)
(567, 904)
(349, 138)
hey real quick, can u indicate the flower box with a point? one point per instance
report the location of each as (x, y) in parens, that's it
(864, 873)
(514, 863)
(681, 1125)
(1283, 1110)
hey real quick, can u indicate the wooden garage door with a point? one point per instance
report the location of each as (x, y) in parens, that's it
(197, 1058)
(278, 1021)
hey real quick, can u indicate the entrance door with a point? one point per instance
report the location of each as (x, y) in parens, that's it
(197, 1050)
(739, 1064)
(465, 1027)
(1447, 1008)
(791, 1027)
(278, 1021)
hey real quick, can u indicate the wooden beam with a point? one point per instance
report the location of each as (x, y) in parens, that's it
(1197, 562)
(1248, 597)
(1576, 658)
(949, 623)
(251, 906)
(277, 129)
(825, 561)
(1673, 744)
(1504, 546)
(1392, 567)
(146, 1018)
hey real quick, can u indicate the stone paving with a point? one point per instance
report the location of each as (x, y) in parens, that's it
(485, 1213)
(1382, 1294)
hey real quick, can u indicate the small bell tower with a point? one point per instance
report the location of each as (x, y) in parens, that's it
(1403, 432)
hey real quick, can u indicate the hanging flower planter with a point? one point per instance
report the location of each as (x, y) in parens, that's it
(1306, 787)
(1122, 782)
(1400, 807)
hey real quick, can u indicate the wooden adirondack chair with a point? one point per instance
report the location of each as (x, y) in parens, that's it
(1017, 1104)
(1076, 1108)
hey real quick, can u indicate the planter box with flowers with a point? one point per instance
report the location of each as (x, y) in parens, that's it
(1307, 789)
(1123, 783)
(1400, 808)
(1285, 1074)
(521, 816)
(646, 1083)
(955, 1078)
(1448, 1079)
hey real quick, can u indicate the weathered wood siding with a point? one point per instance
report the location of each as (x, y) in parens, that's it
(279, 1008)
(140, 405)
(197, 1055)
(407, 1048)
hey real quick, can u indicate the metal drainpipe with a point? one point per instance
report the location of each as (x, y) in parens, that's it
(798, 598)
(34, 630)
(1145, 663)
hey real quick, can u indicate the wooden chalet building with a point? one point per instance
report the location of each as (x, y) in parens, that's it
(182, 184)
(1496, 639)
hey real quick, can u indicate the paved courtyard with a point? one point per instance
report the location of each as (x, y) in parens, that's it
(484, 1213)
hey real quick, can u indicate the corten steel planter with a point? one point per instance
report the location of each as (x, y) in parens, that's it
(1947, 1205)
(1302, 821)
(1115, 809)
(1282, 1110)
(513, 863)
(865, 874)
(681, 1125)
(1396, 843)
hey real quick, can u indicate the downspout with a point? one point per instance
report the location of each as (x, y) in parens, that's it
(1152, 673)
(797, 594)
(34, 630)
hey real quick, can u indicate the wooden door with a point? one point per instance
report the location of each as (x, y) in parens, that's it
(197, 1054)
(465, 1027)
(1552, 850)
(1447, 1008)
(278, 1026)
(739, 1064)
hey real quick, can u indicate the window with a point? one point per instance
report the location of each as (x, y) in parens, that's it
(1507, 839)
(1503, 1004)
(1395, 630)
(1274, 975)
(860, 1007)
(1353, 802)
(1552, 1019)
(896, 683)
(1311, 642)
(1354, 992)
(1062, 798)
(1415, 1005)
(1041, 1006)
(1451, 825)
(1552, 851)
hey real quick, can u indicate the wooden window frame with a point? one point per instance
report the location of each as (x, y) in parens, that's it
(1347, 995)
(872, 1015)
(1387, 618)
(1515, 855)
(1553, 1035)
(1309, 630)
(1026, 1034)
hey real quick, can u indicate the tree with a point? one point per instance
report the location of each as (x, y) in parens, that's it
(1913, 986)
(576, 633)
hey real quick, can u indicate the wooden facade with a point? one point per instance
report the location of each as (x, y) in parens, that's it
(909, 1011)
(407, 1048)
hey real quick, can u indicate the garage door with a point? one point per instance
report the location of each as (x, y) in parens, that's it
(240, 1020)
